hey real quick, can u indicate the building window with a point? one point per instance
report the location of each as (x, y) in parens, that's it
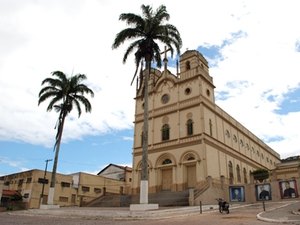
(227, 133)
(29, 179)
(207, 92)
(235, 138)
(142, 139)
(85, 189)
(245, 176)
(20, 182)
(230, 168)
(43, 181)
(187, 91)
(210, 127)
(165, 98)
(238, 173)
(187, 65)
(26, 195)
(63, 199)
(241, 143)
(189, 126)
(190, 158)
(97, 190)
(65, 184)
(167, 161)
(165, 132)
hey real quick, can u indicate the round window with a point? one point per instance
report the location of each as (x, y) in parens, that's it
(187, 91)
(165, 98)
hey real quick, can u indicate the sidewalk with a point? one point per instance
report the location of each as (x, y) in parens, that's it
(116, 213)
(286, 213)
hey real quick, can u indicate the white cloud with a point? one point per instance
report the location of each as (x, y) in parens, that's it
(267, 60)
(39, 37)
(12, 163)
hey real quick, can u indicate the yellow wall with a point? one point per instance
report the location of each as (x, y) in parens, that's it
(217, 137)
(68, 190)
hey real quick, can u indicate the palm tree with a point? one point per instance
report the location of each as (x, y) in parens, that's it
(64, 93)
(144, 31)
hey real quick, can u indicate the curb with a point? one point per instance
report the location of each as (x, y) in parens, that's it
(284, 220)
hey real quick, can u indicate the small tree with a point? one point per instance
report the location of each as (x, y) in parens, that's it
(260, 174)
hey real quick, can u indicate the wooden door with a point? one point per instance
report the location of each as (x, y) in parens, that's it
(166, 179)
(191, 176)
(73, 199)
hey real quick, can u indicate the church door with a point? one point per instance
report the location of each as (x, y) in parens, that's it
(166, 179)
(191, 176)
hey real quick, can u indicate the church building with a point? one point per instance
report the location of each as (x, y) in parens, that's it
(192, 142)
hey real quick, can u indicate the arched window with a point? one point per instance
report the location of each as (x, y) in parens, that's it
(189, 126)
(245, 176)
(167, 161)
(227, 133)
(142, 139)
(235, 138)
(241, 143)
(230, 168)
(165, 134)
(238, 173)
(210, 127)
(190, 158)
(188, 65)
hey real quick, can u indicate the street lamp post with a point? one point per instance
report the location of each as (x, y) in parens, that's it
(42, 195)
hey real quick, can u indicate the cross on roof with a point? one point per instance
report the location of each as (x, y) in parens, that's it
(165, 58)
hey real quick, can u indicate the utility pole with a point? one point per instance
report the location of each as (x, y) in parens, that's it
(42, 195)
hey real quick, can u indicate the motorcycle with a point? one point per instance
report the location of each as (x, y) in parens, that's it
(223, 205)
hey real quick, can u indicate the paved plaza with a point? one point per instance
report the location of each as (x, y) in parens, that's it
(242, 214)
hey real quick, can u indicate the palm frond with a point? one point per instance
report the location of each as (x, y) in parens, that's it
(131, 19)
(147, 31)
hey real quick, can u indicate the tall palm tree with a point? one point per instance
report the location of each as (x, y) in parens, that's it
(145, 31)
(64, 93)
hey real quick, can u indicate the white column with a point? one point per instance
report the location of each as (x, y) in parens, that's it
(144, 192)
(51, 196)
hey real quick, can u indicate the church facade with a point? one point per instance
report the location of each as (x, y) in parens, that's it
(191, 141)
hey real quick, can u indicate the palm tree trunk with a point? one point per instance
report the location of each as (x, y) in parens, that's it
(53, 175)
(144, 175)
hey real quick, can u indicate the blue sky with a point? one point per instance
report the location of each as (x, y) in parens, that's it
(90, 154)
(253, 56)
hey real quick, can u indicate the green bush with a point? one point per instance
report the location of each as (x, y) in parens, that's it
(260, 174)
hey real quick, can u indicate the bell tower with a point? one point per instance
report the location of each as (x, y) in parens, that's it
(193, 64)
